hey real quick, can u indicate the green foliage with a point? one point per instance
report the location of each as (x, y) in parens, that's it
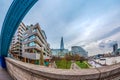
(37, 62)
(63, 64)
(89, 65)
(83, 64)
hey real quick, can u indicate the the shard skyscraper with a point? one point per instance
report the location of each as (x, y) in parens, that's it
(62, 44)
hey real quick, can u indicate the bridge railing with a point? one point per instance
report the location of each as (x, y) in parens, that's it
(25, 71)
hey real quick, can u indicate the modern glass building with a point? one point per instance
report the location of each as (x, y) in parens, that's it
(115, 47)
(79, 50)
(60, 52)
(35, 44)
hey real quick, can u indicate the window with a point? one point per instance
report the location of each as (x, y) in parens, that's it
(26, 34)
(43, 53)
(31, 37)
(25, 45)
(32, 44)
(35, 51)
(34, 30)
(25, 39)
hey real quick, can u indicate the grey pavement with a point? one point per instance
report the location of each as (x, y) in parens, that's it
(53, 65)
(4, 75)
(94, 64)
(74, 66)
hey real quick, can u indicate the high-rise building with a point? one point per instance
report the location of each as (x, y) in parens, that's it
(79, 50)
(60, 52)
(35, 45)
(115, 47)
(16, 44)
(62, 44)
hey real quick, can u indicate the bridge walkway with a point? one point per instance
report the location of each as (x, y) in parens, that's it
(4, 74)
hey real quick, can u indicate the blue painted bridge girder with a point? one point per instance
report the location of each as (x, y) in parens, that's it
(14, 16)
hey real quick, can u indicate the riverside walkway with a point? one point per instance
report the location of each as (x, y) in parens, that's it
(4, 74)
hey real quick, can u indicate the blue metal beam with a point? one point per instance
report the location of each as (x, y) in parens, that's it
(14, 16)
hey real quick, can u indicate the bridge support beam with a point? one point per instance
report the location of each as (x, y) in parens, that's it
(2, 61)
(13, 18)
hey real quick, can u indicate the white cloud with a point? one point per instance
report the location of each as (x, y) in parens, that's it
(103, 45)
(89, 30)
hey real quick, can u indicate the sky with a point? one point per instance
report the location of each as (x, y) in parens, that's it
(91, 24)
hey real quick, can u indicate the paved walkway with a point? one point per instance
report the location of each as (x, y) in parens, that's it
(53, 65)
(94, 64)
(74, 66)
(4, 75)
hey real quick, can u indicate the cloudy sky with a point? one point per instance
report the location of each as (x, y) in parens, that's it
(92, 24)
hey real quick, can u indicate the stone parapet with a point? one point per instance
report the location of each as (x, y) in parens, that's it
(25, 71)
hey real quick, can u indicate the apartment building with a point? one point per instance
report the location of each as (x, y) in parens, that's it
(16, 44)
(35, 45)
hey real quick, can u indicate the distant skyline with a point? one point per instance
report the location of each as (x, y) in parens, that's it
(92, 24)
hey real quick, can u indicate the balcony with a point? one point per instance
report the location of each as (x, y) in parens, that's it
(46, 57)
(31, 47)
(36, 32)
(41, 37)
(31, 55)
(36, 39)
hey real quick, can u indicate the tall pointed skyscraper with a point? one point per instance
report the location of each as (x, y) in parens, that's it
(60, 52)
(62, 44)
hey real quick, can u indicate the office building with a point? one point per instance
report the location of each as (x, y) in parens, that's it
(115, 47)
(60, 52)
(79, 50)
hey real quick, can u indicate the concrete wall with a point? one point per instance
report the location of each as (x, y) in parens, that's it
(24, 71)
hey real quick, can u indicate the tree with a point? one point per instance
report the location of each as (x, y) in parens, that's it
(68, 57)
(54, 58)
(76, 57)
(81, 59)
(41, 59)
